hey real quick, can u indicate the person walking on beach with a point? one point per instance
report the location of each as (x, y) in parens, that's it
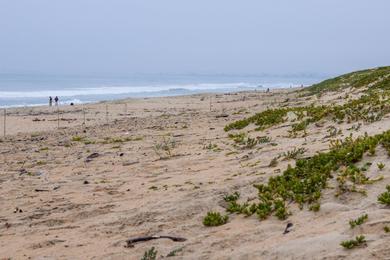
(50, 101)
(56, 100)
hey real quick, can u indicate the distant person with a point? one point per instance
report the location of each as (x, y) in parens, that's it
(56, 100)
(50, 101)
(267, 90)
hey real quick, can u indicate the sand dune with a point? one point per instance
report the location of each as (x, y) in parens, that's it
(58, 204)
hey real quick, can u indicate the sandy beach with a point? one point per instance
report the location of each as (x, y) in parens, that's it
(156, 166)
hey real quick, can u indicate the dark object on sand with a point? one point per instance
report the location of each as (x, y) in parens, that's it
(91, 156)
(40, 190)
(222, 115)
(72, 104)
(286, 230)
(86, 182)
(23, 171)
(18, 210)
(130, 242)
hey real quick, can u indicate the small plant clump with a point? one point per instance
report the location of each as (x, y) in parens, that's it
(357, 222)
(77, 138)
(244, 141)
(349, 177)
(263, 120)
(386, 229)
(358, 241)
(315, 207)
(150, 254)
(384, 198)
(381, 166)
(212, 147)
(214, 219)
(263, 139)
(232, 197)
(293, 154)
(165, 148)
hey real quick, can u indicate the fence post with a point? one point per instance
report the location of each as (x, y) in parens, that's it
(107, 114)
(58, 117)
(5, 121)
(84, 114)
(210, 101)
(126, 109)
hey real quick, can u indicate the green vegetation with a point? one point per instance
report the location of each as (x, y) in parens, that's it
(232, 197)
(315, 207)
(386, 229)
(381, 166)
(212, 147)
(357, 222)
(263, 120)
(303, 184)
(41, 163)
(370, 107)
(214, 219)
(384, 198)
(349, 177)
(293, 154)
(356, 79)
(238, 138)
(263, 139)
(151, 254)
(244, 141)
(113, 140)
(77, 138)
(358, 241)
(165, 148)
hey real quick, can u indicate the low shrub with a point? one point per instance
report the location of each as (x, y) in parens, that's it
(358, 241)
(357, 222)
(384, 198)
(215, 219)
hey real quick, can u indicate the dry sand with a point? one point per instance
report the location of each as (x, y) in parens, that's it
(72, 208)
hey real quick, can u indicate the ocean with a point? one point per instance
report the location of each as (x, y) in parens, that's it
(18, 90)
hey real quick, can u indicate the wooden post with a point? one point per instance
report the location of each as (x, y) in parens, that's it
(5, 121)
(58, 118)
(107, 114)
(125, 108)
(84, 114)
(210, 101)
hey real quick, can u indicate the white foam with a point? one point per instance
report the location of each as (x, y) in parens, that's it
(118, 90)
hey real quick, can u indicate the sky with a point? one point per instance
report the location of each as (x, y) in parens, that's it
(117, 37)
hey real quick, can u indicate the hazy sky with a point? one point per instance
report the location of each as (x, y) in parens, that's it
(193, 36)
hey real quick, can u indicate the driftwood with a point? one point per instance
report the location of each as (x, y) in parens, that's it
(91, 156)
(41, 190)
(130, 242)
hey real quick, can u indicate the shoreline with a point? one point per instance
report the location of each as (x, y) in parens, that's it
(95, 112)
(152, 94)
